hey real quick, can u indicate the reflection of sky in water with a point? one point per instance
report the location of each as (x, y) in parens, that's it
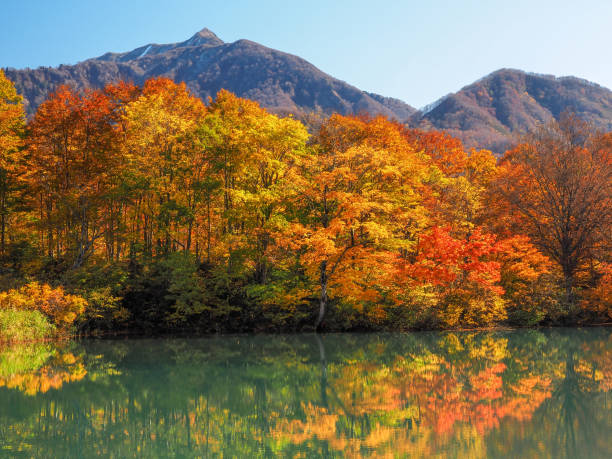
(500, 394)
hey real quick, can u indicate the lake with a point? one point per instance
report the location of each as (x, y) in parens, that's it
(522, 393)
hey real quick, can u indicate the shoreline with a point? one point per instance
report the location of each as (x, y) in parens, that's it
(126, 335)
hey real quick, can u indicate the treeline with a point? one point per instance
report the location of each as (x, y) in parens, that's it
(165, 214)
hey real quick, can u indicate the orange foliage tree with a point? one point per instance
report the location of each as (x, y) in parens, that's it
(462, 273)
(73, 161)
(560, 183)
(359, 205)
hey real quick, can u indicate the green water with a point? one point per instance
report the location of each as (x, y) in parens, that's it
(490, 394)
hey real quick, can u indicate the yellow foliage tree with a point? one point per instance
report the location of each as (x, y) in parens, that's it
(12, 123)
(360, 207)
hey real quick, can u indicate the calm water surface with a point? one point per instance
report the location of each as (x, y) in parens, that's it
(492, 394)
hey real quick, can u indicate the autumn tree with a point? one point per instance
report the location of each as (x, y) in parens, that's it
(445, 151)
(559, 181)
(360, 207)
(205, 213)
(526, 273)
(12, 123)
(120, 197)
(72, 159)
(253, 156)
(163, 163)
(457, 187)
(462, 273)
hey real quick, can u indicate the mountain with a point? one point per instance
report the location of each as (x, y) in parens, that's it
(493, 111)
(489, 113)
(279, 81)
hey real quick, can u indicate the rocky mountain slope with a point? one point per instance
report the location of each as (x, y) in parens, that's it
(279, 81)
(497, 109)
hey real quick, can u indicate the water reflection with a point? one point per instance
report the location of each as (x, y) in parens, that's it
(496, 394)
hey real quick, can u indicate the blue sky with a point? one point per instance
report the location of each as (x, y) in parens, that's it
(414, 50)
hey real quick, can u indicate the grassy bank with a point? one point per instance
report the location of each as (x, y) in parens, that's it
(18, 325)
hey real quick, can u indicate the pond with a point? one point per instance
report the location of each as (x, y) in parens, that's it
(522, 393)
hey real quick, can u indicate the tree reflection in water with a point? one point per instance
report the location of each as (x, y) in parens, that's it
(494, 394)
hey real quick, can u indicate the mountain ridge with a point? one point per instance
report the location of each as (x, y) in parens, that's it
(495, 110)
(279, 81)
(491, 112)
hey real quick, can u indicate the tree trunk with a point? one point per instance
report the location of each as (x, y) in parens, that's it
(3, 231)
(208, 229)
(189, 231)
(568, 282)
(49, 230)
(3, 209)
(323, 301)
(83, 240)
(567, 264)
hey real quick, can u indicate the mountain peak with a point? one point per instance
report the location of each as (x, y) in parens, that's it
(281, 82)
(204, 37)
(494, 111)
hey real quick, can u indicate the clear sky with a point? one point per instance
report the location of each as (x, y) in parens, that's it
(417, 51)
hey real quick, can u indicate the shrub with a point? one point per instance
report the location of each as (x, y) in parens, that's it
(104, 311)
(61, 308)
(471, 308)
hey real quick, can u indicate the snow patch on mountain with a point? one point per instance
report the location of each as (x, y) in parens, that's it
(145, 51)
(431, 107)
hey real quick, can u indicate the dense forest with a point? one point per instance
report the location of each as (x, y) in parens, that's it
(145, 210)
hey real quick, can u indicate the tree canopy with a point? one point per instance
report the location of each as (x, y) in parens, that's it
(164, 212)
